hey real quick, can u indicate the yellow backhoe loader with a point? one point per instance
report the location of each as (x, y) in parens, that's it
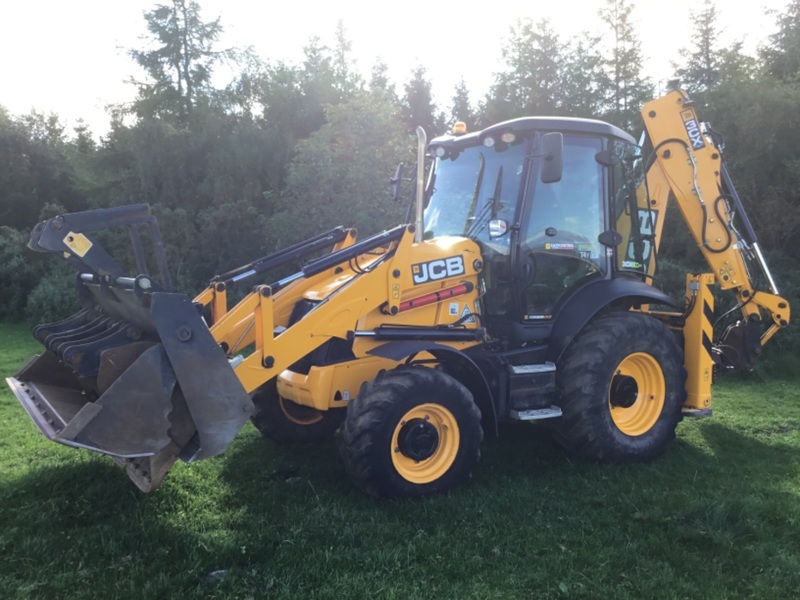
(522, 289)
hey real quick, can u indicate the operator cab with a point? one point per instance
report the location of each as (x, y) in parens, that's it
(554, 205)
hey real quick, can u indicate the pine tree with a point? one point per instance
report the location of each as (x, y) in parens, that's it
(345, 71)
(418, 107)
(379, 80)
(701, 62)
(180, 62)
(532, 82)
(628, 87)
(582, 78)
(781, 56)
(461, 109)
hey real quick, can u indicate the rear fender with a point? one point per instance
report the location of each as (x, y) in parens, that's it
(594, 298)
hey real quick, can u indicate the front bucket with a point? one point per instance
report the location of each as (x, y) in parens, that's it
(136, 374)
(171, 394)
(141, 420)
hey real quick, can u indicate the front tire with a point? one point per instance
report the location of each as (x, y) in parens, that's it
(620, 389)
(412, 432)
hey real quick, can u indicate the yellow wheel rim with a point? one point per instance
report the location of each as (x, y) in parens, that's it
(425, 443)
(296, 413)
(637, 394)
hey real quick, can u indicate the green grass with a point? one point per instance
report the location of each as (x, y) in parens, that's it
(717, 517)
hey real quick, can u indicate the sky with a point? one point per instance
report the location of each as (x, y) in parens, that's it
(69, 57)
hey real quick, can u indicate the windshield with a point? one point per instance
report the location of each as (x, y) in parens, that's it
(471, 187)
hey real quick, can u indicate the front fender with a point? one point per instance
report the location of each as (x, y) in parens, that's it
(462, 367)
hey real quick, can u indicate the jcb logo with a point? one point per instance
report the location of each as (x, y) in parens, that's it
(693, 130)
(441, 268)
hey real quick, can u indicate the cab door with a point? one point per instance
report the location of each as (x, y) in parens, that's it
(559, 229)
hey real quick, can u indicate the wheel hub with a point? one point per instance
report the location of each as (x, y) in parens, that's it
(418, 439)
(624, 391)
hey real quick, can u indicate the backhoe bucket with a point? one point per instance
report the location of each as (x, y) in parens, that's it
(136, 375)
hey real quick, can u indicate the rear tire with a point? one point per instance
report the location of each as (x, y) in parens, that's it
(620, 389)
(411, 432)
(287, 422)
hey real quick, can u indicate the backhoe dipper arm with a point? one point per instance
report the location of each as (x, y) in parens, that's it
(687, 163)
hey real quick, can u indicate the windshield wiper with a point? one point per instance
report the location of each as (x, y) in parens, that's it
(492, 207)
(475, 194)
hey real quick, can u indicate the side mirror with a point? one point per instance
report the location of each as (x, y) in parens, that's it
(396, 181)
(497, 228)
(552, 151)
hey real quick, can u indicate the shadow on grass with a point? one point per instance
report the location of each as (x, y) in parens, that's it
(526, 456)
(718, 509)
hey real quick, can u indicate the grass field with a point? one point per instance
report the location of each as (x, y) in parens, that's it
(717, 517)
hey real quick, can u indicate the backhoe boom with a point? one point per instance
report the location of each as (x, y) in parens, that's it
(687, 164)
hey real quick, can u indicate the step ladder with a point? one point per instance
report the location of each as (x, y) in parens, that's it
(528, 382)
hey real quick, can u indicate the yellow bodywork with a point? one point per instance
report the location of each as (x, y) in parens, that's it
(698, 335)
(345, 302)
(687, 167)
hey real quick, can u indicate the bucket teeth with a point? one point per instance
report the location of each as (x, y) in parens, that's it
(147, 472)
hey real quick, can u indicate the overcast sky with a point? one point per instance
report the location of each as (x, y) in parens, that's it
(68, 56)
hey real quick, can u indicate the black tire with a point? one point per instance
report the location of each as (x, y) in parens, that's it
(286, 422)
(620, 389)
(412, 432)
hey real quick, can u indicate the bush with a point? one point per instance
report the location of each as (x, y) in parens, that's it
(54, 297)
(20, 271)
(780, 354)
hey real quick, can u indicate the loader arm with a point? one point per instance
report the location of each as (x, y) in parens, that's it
(687, 164)
(147, 375)
(262, 318)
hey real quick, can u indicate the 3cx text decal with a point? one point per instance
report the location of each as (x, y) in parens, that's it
(441, 268)
(693, 130)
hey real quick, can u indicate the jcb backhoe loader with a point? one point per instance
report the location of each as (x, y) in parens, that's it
(523, 290)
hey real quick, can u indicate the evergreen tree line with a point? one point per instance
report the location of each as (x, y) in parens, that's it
(285, 151)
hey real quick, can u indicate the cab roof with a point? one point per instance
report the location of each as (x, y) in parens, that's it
(545, 124)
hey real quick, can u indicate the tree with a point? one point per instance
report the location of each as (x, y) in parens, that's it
(180, 64)
(418, 107)
(340, 174)
(35, 168)
(736, 67)
(781, 56)
(629, 88)
(700, 70)
(318, 88)
(532, 81)
(288, 114)
(294, 101)
(462, 108)
(582, 78)
(379, 79)
(345, 71)
(241, 98)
